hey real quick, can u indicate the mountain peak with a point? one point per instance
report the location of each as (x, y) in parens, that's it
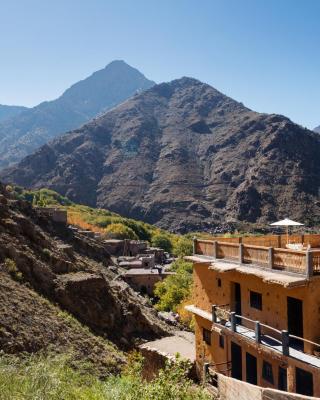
(84, 100)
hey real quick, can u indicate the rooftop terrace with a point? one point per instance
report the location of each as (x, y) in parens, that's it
(262, 253)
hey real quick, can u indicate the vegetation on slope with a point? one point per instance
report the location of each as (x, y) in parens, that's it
(52, 378)
(107, 222)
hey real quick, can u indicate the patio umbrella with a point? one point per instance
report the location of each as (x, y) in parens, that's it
(286, 222)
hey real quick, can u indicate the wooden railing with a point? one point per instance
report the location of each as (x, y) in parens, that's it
(255, 255)
(301, 262)
(289, 260)
(316, 262)
(228, 250)
(276, 241)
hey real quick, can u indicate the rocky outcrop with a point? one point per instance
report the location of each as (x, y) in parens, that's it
(71, 270)
(185, 157)
(30, 129)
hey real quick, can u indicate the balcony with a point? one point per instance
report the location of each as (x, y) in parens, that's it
(260, 334)
(302, 262)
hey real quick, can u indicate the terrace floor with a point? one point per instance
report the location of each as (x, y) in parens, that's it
(284, 278)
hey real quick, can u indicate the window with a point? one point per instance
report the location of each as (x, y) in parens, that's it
(256, 300)
(219, 282)
(206, 335)
(221, 341)
(267, 373)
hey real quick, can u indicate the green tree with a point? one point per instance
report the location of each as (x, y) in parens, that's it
(183, 247)
(163, 241)
(173, 290)
(120, 231)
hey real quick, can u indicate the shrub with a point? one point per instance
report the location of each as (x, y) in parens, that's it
(51, 378)
(183, 246)
(46, 254)
(120, 231)
(11, 268)
(173, 290)
(163, 241)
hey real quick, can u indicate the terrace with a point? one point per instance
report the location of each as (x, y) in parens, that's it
(265, 253)
(256, 332)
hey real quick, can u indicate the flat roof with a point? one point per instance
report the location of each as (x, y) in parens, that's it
(286, 279)
(147, 271)
(182, 343)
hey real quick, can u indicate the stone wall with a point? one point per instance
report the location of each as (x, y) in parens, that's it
(231, 389)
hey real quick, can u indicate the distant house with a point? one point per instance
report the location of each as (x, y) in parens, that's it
(143, 280)
(56, 214)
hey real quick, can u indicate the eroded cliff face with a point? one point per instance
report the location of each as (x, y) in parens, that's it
(71, 270)
(184, 157)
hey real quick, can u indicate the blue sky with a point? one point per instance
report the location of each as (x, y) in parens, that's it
(264, 53)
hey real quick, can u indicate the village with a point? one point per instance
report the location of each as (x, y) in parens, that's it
(253, 297)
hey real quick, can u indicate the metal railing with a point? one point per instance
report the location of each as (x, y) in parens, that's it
(306, 263)
(270, 336)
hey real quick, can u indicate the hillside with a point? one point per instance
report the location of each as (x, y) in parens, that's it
(38, 256)
(30, 323)
(185, 157)
(10, 111)
(317, 129)
(84, 100)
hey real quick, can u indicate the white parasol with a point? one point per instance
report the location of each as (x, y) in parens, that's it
(286, 222)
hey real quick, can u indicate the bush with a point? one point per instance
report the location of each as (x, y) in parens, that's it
(163, 241)
(120, 231)
(11, 268)
(173, 290)
(51, 378)
(183, 246)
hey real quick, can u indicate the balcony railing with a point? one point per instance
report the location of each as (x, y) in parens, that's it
(300, 262)
(281, 340)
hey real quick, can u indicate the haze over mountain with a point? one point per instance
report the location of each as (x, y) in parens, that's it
(317, 129)
(84, 100)
(185, 157)
(10, 111)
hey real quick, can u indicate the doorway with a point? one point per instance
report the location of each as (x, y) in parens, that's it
(236, 293)
(236, 361)
(304, 382)
(295, 321)
(282, 379)
(251, 369)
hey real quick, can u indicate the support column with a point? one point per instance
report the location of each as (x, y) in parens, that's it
(240, 253)
(194, 245)
(285, 342)
(214, 314)
(309, 264)
(270, 257)
(257, 330)
(233, 321)
(215, 249)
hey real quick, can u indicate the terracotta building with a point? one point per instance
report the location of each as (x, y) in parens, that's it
(257, 311)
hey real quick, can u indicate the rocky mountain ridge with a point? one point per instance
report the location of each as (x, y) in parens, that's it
(104, 89)
(7, 112)
(185, 157)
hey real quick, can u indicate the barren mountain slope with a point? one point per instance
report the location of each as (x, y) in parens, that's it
(185, 157)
